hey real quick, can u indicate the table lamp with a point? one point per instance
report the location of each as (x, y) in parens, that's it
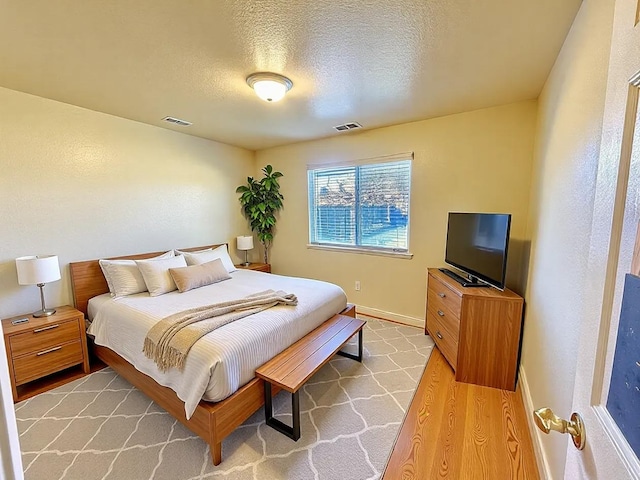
(38, 270)
(245, 242)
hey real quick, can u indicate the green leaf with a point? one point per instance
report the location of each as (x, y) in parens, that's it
(261, 200)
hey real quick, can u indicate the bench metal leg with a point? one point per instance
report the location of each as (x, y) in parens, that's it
(291, 432)
(357, 357)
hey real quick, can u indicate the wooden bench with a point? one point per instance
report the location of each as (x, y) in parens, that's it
(293, 367)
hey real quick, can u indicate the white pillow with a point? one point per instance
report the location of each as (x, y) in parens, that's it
(156, 274)
(204, 257)
(123, 276)
(180, 252)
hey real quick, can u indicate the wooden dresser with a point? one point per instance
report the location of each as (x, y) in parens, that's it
(476, 329)
(43, 346)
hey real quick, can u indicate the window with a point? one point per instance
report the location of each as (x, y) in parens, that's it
(364, 206)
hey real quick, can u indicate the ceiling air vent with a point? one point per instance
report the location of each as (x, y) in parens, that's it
(177, 121)
(348, 126)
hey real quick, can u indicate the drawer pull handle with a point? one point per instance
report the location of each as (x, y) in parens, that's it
(50, 327)
(441, 313)
(439, 335)
(44, 352)
(442, 295)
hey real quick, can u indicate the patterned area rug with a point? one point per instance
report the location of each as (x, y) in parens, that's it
(101, 427)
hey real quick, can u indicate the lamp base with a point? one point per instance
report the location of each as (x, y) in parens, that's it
(44, 313)
(246, 259)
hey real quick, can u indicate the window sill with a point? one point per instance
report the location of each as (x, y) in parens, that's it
(362, 251)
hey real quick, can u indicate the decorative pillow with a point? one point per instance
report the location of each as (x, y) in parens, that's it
(204, 257)
(156, 274)
(196, 276)
(123, 276)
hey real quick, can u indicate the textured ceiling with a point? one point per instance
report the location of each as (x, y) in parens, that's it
(376, 62)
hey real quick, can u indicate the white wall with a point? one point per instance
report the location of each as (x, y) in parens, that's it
(562, 200)
(474, 161)
(83, 185)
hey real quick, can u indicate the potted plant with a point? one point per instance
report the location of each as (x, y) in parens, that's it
(260, 201)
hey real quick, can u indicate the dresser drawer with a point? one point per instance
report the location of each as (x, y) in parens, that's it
(448, 319)
(41, 338)
(446, 340)
(46, 360)
(438, 293)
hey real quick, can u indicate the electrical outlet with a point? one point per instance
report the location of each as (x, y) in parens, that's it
(357, 285)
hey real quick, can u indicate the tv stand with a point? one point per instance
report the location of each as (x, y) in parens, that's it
(465, 282)
(476, 329)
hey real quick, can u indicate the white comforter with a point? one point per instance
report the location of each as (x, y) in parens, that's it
(225, 359)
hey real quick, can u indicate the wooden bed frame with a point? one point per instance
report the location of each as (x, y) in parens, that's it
(210, 421)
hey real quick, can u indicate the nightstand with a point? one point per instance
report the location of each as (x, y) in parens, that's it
(41, 347)
(260, 267)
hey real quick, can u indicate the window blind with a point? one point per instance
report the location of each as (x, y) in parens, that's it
(364, 205)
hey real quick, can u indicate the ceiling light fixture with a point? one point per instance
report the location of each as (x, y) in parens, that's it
(270, 87)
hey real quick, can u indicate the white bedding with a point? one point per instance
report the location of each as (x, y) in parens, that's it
(225, 359)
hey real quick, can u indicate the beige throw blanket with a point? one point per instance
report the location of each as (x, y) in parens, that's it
(168, 342)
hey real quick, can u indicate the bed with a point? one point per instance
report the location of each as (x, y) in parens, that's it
(226, 401)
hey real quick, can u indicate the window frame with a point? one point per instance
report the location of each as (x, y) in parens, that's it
(355, 248)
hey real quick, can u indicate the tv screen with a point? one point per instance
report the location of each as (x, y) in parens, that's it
(477, 244)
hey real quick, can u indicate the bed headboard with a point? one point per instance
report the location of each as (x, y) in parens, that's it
(87, 279)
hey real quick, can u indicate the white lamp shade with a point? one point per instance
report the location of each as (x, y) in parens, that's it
(37, 269)
(245, 242)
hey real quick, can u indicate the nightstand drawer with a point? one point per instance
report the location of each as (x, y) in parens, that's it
(42, 337)
(263, 268)
(46, 360)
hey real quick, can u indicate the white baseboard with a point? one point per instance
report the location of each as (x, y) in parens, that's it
(541, 457)
(374, 312)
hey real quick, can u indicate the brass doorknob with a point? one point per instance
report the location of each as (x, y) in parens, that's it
(546, 421)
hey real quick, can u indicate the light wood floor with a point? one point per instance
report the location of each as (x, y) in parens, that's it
(461, 431)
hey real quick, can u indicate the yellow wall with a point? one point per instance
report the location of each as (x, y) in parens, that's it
(562, 199)
(82, 185)
(616, 218)
(474, 161)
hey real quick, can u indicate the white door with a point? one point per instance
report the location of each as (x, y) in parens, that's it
(608, 454)
(10, 458)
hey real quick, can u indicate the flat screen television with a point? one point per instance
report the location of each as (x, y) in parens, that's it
(477, 244)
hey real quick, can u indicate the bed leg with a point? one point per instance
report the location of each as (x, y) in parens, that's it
(349, 311)
(216, 453)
